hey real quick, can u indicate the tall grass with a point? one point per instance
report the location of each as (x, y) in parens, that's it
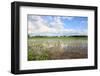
(56, 48)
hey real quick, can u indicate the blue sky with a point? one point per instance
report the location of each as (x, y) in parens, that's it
(57, 25)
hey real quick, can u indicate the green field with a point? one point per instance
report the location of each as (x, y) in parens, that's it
(52, 48)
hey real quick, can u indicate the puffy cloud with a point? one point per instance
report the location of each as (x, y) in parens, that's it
(30, 27)
(58, 23)
(38, 26)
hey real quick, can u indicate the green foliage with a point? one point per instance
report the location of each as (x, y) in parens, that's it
(32, 55)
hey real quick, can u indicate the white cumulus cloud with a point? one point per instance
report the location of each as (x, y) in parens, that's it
(38, 26)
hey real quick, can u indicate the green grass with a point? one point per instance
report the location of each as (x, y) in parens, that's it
(49, 48)
(67, 38)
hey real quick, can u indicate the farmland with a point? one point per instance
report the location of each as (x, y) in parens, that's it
(53, 48)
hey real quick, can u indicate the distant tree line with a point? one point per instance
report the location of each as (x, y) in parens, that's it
(58, 36)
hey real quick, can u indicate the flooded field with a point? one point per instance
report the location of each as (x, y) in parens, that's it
(52, 48)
